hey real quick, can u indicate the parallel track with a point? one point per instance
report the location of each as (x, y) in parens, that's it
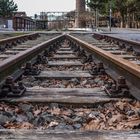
(68, 74)
(128, 50)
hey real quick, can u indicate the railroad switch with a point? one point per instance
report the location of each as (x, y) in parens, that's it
(118, 89)
(12, 89)
(41, 59)
(31, 70)
(98, 69)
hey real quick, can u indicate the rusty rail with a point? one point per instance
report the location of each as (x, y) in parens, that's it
(16, 38)
(13, 63)
(123, 67)
(127, 43)
(10, 39)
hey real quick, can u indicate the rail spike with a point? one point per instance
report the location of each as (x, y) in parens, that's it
(41, 59)
(12, 89)
(47, 52)
(88, 59)
(81, 53)
(118, 89)
(98, 69)
(29, 69)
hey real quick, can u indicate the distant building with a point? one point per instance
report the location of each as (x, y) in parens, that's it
(54, 20)
(41, 21)
(21, 22)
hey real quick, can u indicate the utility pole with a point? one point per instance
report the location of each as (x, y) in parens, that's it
(110, 15)
(96, 18)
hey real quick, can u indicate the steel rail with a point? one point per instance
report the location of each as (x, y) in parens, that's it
(121, 66)
(133, 44)
(10, 39)
(8, 66)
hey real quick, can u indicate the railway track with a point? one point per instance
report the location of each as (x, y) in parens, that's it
(67, 84)
(122, 48)
(15, 45)
(128, 49)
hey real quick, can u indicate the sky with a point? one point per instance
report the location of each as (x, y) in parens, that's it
(32, 7)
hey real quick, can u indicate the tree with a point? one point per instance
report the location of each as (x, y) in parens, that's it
(70, 15)
(99, 7)
(7, 7)
(127, 11)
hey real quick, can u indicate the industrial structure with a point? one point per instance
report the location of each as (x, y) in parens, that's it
(80, 10)
(49, 20)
